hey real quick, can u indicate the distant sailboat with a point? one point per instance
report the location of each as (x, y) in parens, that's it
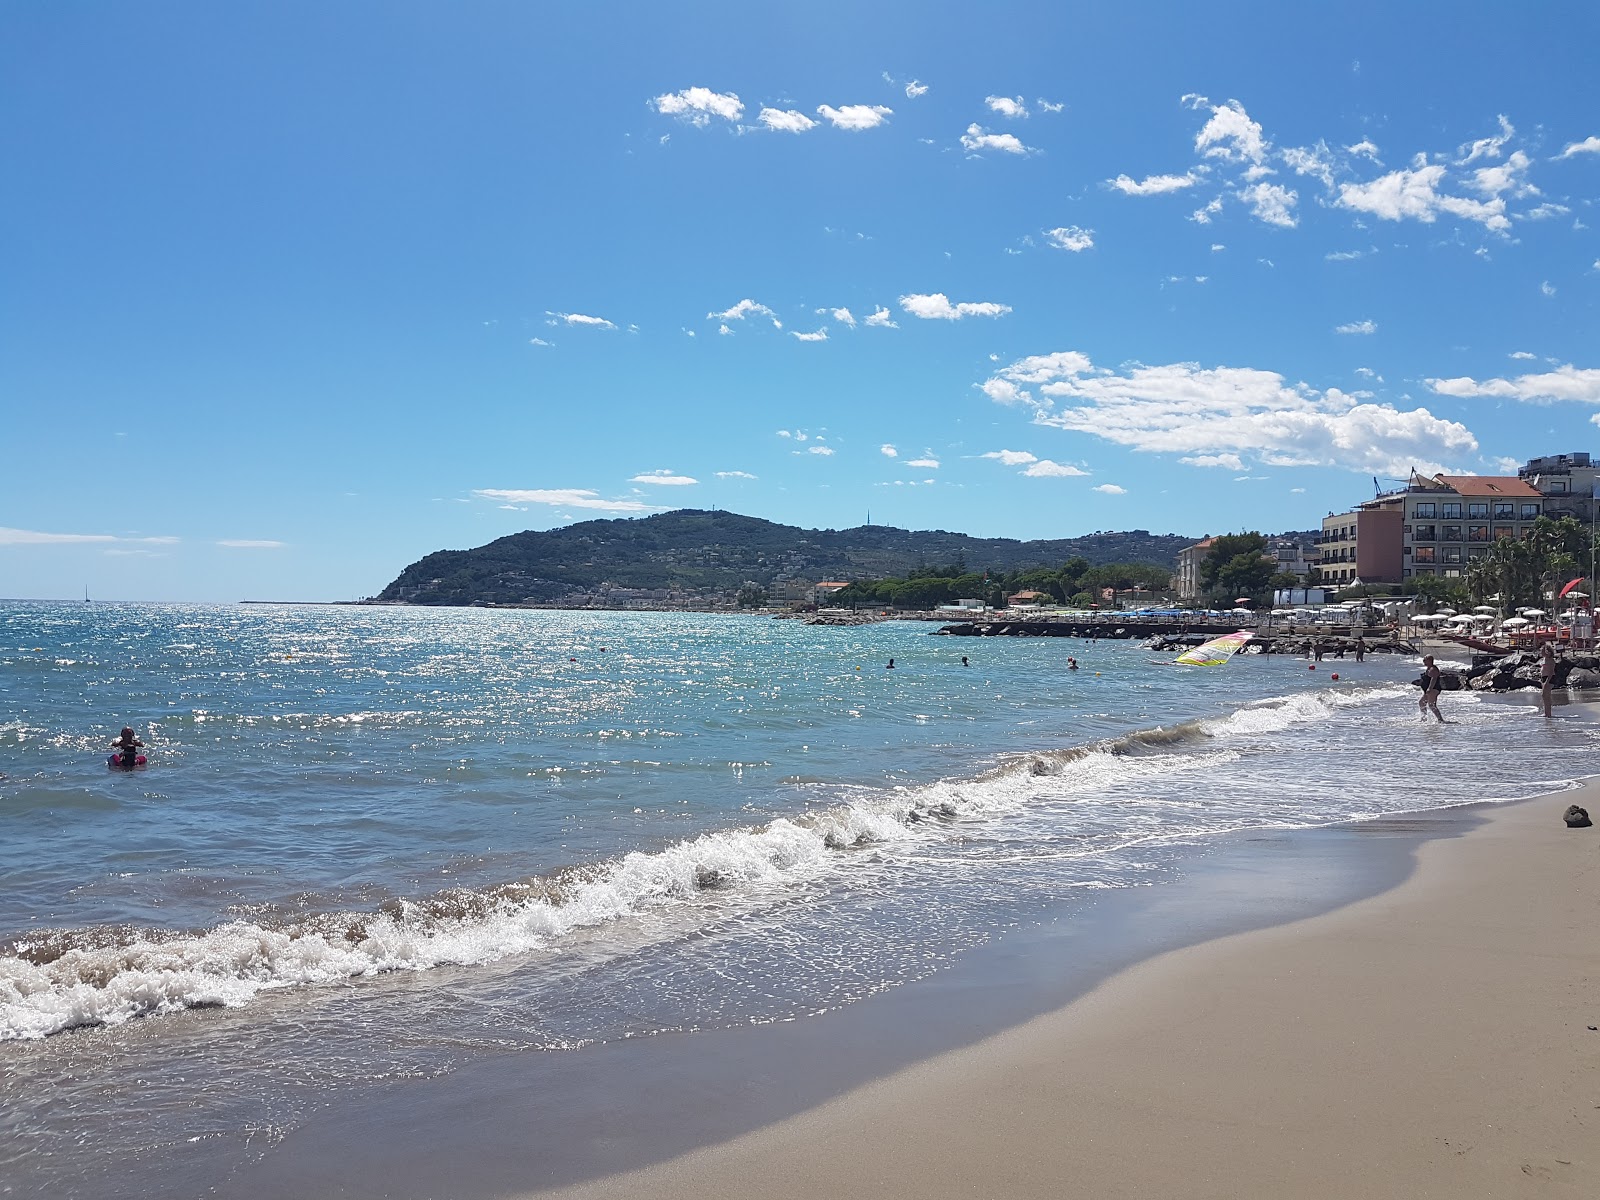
(86, 593)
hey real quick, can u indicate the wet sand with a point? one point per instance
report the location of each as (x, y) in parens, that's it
(1436, 1040)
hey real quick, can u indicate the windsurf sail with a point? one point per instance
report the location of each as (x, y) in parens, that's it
(1215, 652)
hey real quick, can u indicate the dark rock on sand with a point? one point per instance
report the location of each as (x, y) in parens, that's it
(1577, 818)
(1583, 677)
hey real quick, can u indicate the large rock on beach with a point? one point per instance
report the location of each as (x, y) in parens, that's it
(1577, 817)
(1583, 677)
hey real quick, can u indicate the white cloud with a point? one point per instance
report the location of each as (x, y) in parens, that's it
(664, 478)
(1589, 145)
(740, 311)
(581, 319)
(1045, 469)
(1315, 161)
(842, 315)
(881, 317)
(888, 451)
(786, 120)
(1366, 326)
(1007, 106)
(1217, 247)
(925, 464)
(735, 475)
(913, 87)
(820, 335)
(1564, 383)
(1188, 410)
(1111, 489)
(1547, 288)
(1489, 147)
(29, 537)
(1544, 212)
(977, 139)
(538, 341)
(1271, 203)
(1521, 354)
(1203, 214)
(251, 544)
(1231, 462)
(1414, 193)
(564, 497)
(937, 307)
(825, 451)
(1012, 458)
(1347, 255)
(855, 116)
(1047, 107)
(1152, 185)
(1363, 149)
(1070, 237)
(725, 330)
(1231, 135)
(697, 105)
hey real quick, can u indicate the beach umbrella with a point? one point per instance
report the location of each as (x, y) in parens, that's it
(1428, 618)
(1576, 595)
(1485, 608)
(1532, 612)
(1515, 622)
(1447, 612)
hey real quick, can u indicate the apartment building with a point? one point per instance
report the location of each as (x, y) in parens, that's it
(1566, 481)
(1364, 545)
(1187, 580)
(1452, 519)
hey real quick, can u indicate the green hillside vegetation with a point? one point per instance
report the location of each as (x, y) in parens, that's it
(1076, 581)
(696, 550)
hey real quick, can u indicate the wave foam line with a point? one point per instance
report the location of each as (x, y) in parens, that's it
(108, 975)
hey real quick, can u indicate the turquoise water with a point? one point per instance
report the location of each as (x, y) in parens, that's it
(372, 841)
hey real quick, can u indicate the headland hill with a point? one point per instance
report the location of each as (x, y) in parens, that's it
(700, 559)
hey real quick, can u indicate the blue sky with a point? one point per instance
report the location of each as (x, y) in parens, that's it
(295, 293)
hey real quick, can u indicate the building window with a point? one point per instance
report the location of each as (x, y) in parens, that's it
(1424, 570)
(1452, 533)
(1423, 554)
(1452, 511)
(1423, 511)
(1504, 531)
(1530, 512)
(1503, 510)
(1476, 552)
(1477, 533)
(1427, 533)
(1405, 550)
(1451, 554)
(1478, 508)
(1454, 572)
(1557, 487)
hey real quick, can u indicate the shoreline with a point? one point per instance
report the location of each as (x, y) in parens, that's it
(625, 1118)
(1435, 1039)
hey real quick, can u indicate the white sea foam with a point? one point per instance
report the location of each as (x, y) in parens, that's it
(45, 989)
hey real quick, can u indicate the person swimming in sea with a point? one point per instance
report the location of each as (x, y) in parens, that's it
(128, 746)
(890, 665)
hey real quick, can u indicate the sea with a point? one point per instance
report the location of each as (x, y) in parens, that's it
(374, 844)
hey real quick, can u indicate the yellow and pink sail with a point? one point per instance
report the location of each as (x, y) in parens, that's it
(1215, 652)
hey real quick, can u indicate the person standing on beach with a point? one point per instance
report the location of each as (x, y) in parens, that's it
(1547, 674)
(1361, 649)
(1430, 689)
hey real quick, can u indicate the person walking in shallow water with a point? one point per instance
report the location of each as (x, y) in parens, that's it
(1547, 674)
(1430, 689)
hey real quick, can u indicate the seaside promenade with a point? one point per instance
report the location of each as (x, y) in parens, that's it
(1437, 1040)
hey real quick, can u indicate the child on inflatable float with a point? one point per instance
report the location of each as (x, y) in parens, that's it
(127, 746)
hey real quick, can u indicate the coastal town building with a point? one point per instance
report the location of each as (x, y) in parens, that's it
(1187, 580)
(1436, 525)
(1567, 483)
(1364, 545)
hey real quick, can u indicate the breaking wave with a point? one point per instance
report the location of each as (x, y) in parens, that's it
(106, 975)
